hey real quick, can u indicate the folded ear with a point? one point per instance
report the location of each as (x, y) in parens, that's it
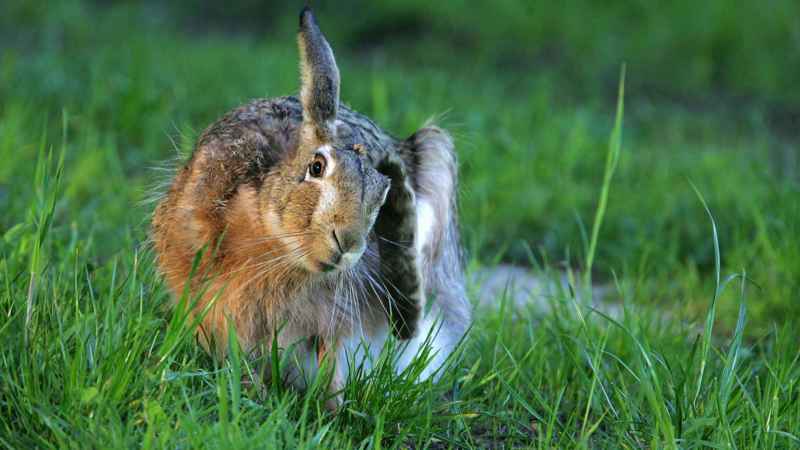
(319, 81)
(400, 264)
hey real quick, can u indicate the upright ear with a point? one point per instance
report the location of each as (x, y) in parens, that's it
(319, 81)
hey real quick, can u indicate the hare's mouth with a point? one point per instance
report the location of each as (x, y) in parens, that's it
(341, 261)
(347, 250)
(327, 267)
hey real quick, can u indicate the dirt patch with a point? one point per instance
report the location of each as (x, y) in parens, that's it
(525, 289)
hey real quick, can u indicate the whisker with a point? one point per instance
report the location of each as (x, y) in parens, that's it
(279, 263)
(404, 246)
(273, 237)
(380, 285)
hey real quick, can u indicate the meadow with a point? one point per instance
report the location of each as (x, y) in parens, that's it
(680, 196)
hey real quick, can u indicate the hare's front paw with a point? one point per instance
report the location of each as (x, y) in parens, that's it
(327, 357)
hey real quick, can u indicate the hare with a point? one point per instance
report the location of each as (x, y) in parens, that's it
(299, 219)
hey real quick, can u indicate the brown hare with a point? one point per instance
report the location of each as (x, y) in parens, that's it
(302, 219)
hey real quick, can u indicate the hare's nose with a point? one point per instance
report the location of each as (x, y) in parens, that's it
(348, 241)
(350, 247)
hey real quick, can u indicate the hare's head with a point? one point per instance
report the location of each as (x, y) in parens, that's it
(323, 197)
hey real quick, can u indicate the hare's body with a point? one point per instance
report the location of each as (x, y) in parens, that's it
(300, 234)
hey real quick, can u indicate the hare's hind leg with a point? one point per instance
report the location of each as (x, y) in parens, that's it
(431, 159)
(430, 156)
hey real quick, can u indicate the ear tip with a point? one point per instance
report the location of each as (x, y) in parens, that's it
(306, 17)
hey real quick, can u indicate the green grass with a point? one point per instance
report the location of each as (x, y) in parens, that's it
(704, 353)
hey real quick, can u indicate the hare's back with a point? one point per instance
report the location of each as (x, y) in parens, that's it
(276, 123)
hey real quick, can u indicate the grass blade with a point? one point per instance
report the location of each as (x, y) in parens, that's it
(612, 158)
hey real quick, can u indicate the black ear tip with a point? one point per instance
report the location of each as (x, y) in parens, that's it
(306, 17)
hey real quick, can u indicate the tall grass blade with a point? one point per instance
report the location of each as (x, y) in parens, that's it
(705, 345)
(612, 158)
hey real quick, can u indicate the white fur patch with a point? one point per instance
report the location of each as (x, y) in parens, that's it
(428, 334)
(325, 150)
(365, 348)
(327, 197)
(426, 222)
(350, 259)
(327, 192)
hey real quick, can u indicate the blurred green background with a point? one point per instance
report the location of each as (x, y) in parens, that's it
(527, 88)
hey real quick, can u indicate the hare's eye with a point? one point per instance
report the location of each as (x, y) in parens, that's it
(317, 168)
